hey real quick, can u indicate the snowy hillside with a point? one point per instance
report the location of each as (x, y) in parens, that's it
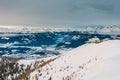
(88, 62)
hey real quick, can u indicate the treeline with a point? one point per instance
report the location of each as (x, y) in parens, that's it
(10, 69)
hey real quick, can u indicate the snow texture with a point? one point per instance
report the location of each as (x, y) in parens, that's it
(92, 61)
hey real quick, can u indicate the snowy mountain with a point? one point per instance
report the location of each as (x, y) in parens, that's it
(59, 53)
(114, 29)
(45, 41)
(91, 61)
(45, 44)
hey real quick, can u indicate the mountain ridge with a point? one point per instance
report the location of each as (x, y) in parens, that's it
(86, 29)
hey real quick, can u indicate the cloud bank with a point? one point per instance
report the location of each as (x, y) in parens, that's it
(37, 12)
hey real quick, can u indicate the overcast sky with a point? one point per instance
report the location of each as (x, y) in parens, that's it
(37, 12)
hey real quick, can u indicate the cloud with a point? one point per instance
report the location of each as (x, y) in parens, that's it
(37, 12)
(111, 6)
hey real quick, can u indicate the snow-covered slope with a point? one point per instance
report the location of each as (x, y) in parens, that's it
(88, 62)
